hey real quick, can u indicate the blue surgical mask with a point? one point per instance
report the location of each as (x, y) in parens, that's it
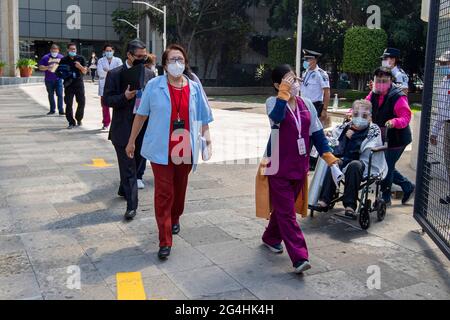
(361, 123)
(109, 54)
(306, 65)
(72, 54)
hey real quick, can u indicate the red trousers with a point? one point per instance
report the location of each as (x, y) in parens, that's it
(170, 195)
(106, 114)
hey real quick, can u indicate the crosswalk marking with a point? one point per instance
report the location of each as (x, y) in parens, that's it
(130, 286)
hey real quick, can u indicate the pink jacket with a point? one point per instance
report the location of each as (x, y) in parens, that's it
(401, 110)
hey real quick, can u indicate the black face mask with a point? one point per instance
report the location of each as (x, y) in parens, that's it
(138, 62)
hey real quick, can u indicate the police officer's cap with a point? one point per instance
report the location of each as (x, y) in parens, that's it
(445, 57)
(391, 53)
(309, 54)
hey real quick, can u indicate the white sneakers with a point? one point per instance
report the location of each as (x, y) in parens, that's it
(140, 184)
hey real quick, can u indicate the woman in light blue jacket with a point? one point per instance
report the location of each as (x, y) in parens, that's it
(178, 116)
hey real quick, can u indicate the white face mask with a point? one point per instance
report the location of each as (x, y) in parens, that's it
(176, 69)
(386, 64)
(295, 89)
(54, 54)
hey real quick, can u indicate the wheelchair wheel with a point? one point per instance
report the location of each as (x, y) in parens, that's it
(381, 209)
(364, 218)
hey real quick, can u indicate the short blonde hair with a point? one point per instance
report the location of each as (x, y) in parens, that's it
(366, 104)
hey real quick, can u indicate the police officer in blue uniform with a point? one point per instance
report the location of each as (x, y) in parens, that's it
(316, 84)
(390, 59)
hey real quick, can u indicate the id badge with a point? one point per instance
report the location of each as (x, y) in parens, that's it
(301, 146)
(178, 124)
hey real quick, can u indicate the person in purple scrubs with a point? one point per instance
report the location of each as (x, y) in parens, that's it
(295, 125)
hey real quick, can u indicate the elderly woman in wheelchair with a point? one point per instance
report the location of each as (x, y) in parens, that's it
(359, 146)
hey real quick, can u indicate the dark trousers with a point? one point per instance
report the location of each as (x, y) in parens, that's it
(141, 162)
(394, 176)
(55, 87)
(93, 73)
(75, 90)
(128, 179)
(313, 161)
(353, 179)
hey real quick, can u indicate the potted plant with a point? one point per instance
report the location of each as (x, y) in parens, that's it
(2, 65)
(26, 67)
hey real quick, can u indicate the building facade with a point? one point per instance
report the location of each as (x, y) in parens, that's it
(85, 22)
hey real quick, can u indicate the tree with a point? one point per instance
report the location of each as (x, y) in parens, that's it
(362, 50)
(219, 28)
(281, 51)
(126, 32)
(325, 23)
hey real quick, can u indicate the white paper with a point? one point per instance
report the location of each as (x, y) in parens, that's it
(337, 174)
(205, 150)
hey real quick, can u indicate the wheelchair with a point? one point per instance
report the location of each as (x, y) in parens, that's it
(370, 185)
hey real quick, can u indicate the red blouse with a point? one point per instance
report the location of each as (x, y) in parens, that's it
(180, 141)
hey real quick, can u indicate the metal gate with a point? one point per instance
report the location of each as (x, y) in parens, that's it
(432, 207)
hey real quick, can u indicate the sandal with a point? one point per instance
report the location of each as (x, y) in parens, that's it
(321, 207)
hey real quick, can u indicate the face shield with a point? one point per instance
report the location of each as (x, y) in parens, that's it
(381, 85)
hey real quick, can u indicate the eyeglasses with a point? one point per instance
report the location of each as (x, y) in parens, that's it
(175, 60)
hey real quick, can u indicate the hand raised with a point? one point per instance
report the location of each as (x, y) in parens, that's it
(130, 94)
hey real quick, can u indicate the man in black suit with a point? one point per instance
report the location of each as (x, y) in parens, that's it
(123, 100)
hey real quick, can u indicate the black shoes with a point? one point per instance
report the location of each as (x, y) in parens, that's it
(70, 127)
(51, 113)
(164, 252)
(120, 193)
(176, 228)
(79, 124)
(407, 195)
(130, 214)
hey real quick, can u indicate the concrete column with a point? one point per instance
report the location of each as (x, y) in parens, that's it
(9, 35)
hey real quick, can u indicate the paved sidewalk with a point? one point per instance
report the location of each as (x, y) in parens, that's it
(57, 212)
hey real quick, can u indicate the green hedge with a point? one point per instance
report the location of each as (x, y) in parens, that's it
(352, 95)
(282, 51)
(362, 49)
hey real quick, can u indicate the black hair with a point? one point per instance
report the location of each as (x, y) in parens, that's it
(71, 44)
(383, 72)
(108, 45)
(134, 45)
(279, 72)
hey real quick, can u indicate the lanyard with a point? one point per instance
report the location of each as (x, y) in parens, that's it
(297, 120)
(178, 107)
(308, 76)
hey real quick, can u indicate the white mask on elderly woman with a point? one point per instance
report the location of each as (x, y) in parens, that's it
(361, 117)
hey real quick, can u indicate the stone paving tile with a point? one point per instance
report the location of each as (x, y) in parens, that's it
(228, 252)
(205, 235)
(293, 288)
(183, 258)
(60, 257)
(158, 288)
(145, 264)
(118, 248)
(204, 281)
(242, 294)
(10, 243)
(19, 287)
(14, 263)
(420, 291)
(339, 285)
(242, 230)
